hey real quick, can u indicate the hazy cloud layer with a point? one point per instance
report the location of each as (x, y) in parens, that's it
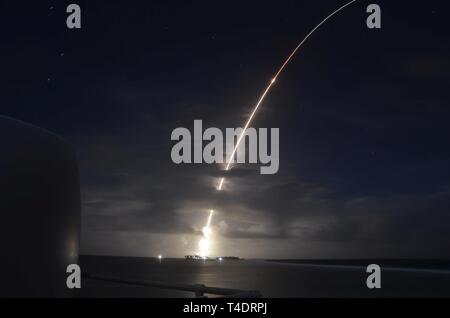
(137, 202)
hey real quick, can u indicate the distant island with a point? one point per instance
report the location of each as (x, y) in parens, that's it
(229, 258)
(205, 258)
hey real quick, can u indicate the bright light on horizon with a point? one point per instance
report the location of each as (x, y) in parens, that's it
(205, 242)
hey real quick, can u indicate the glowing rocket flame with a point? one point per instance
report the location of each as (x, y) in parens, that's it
(205, 242)
(269, 87)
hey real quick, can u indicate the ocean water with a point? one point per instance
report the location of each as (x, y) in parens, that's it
(271, 278)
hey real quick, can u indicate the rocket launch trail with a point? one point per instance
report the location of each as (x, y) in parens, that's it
(204, 242)
(209, 219)
(269, 87)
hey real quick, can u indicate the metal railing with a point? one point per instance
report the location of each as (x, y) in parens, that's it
(199, 290)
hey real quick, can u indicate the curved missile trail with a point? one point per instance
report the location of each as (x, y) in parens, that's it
(204, 242)
(269, 87)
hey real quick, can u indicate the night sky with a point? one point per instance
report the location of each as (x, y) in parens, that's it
(364, 118)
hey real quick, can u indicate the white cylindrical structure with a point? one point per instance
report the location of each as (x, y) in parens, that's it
(39, 211)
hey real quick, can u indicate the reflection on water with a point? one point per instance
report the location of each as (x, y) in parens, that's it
(271, 279)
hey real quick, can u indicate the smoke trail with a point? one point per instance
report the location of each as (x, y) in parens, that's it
(269, 87)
